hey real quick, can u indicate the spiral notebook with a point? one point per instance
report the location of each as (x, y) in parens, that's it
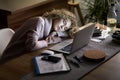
(44, 67)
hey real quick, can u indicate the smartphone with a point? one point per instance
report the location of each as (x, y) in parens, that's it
(50, 58)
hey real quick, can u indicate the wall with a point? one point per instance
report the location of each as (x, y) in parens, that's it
(18, 17)
(13, 5)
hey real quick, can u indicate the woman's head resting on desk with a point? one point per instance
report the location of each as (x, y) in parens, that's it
(62, 19)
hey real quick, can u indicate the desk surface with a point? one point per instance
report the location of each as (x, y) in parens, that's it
(20, 66)
(108, 71)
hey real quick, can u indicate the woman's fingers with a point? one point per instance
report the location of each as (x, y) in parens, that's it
(52, 40)
(73, 31)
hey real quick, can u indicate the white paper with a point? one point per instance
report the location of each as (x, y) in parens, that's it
(48, 67)
(104, 35)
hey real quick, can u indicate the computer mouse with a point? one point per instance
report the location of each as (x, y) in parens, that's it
(47, 52)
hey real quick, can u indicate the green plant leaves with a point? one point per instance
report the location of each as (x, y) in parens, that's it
(98, 9)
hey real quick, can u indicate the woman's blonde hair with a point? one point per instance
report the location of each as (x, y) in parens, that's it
(62, 13)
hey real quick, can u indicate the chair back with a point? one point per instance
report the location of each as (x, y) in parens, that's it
(5, 36)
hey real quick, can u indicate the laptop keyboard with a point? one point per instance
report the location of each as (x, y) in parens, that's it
(67, 48)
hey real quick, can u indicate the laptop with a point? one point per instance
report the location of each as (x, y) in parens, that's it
(81, 38)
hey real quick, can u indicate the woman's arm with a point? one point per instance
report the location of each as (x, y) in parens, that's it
(33, 43)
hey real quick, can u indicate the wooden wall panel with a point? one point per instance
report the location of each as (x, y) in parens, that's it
(16, 19)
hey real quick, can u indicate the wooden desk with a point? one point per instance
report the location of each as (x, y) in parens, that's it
(22, 65)
(18, 67)
(108, 71)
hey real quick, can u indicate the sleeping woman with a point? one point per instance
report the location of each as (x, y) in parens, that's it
(39, 32)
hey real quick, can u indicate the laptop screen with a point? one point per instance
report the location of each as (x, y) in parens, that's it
(82, 37)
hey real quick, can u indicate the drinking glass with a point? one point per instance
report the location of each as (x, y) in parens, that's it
(111, 22)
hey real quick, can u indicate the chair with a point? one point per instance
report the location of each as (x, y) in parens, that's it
(5, 36)
(75, 5)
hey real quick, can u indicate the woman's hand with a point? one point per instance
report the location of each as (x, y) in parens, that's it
(52, 38)
(73, 31)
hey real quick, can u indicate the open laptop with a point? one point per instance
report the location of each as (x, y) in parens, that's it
(81, 38)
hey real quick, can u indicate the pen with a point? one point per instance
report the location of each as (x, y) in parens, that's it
(77, 59)
(74, 63)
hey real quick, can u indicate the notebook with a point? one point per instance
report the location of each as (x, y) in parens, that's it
(81, 38)
(45, 67)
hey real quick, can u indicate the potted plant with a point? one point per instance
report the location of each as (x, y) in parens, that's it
(97, 10)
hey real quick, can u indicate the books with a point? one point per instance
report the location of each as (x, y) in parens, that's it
(44, 67)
